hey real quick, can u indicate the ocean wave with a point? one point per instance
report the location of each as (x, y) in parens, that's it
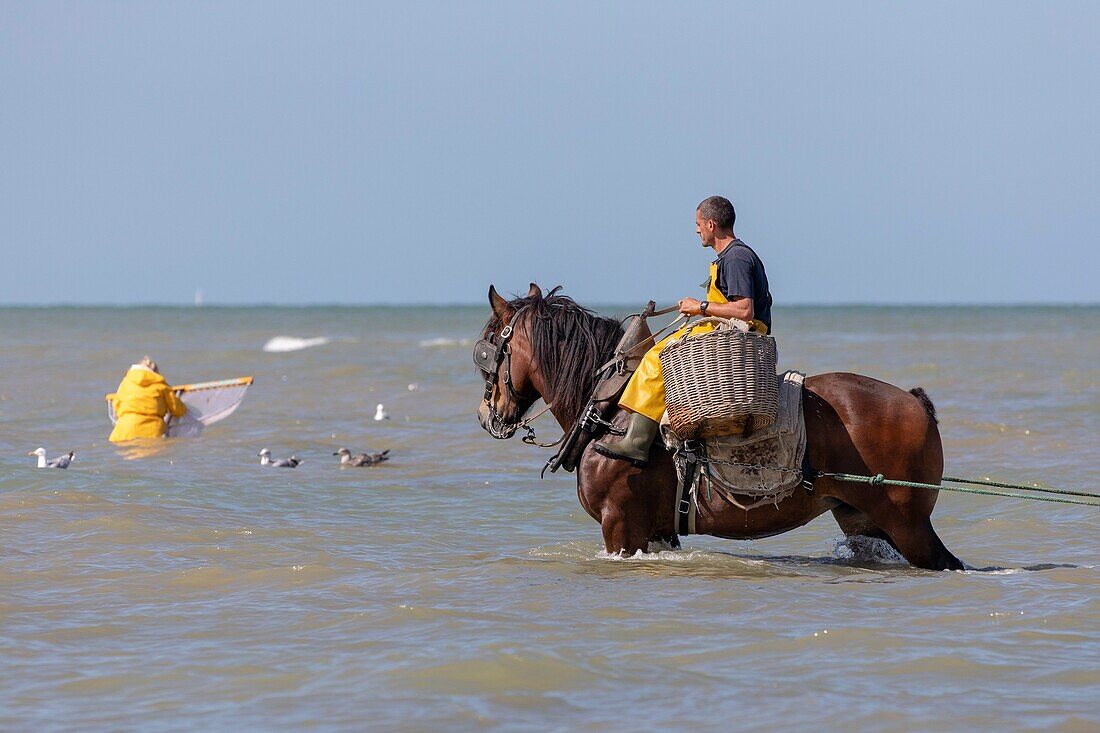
(293, 343)
(443, 342)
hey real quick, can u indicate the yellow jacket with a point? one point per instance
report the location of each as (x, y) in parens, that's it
(141, 402)
(645, 392)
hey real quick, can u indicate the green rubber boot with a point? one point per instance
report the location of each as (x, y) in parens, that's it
(635, 445)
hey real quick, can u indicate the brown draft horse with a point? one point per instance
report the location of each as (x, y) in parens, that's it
(854, 424)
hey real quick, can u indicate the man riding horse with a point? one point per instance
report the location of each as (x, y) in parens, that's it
(547, 346)
(737, 288)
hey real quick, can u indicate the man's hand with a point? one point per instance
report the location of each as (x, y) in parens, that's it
(739, 308)
(690, 307)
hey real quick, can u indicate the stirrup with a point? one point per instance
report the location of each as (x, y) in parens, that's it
(605, 450)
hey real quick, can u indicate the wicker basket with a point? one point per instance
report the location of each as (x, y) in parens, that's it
(720, 381)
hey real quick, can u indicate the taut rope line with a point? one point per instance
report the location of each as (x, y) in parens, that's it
(998, 484)
(880, 480)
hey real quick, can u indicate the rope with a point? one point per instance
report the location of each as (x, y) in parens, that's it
(880, 480)
(999, 485)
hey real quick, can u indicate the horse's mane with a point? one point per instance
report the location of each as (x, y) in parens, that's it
(569, 343)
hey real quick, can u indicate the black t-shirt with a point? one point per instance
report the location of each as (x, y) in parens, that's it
(741, 275)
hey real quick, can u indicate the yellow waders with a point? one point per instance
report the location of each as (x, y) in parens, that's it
(645, 392)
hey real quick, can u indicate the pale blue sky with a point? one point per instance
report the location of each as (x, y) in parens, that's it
(416, 152)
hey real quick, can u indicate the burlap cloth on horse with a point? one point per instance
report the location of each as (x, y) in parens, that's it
(766, 466)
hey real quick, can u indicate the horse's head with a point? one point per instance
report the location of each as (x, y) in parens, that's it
(505, 356)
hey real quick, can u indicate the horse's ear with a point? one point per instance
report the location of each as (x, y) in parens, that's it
(534, 291)
(499, 305)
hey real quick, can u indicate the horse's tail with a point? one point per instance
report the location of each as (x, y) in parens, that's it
(926, 402)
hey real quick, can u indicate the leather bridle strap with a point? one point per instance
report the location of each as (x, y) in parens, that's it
(502, 354)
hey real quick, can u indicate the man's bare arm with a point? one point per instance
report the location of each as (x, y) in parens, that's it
(737, 308)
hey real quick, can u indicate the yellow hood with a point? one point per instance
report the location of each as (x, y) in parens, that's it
(142, 377)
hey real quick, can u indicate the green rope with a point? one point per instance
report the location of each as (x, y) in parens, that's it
(880, 480)
(999, 485)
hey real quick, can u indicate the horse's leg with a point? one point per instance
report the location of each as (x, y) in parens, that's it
(922, 547)
(908, 526)
(857, 424)
(672, 540)
(632, 506)
(621, 536)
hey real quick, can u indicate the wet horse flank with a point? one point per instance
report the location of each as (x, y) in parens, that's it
(854, 424)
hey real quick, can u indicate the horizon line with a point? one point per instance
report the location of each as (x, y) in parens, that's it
(605, 304)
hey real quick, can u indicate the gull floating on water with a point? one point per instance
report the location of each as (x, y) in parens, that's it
(59, 462)
(265, 460)
(380, 413)
(363, 459)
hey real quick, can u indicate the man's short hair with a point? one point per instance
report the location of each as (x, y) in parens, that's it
(719, 210)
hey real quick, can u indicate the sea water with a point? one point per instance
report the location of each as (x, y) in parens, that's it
(183, 587)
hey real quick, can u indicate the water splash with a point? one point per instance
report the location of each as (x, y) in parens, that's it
(867, 549)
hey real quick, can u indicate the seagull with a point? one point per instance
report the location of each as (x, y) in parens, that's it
(380, 413)
(59, 462)
(363, 459)
(265, 460)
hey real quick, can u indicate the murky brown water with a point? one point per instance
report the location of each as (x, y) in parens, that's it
(452, 589)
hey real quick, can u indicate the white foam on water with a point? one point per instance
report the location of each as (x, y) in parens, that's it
(867, 549)
(664, 555)
(659, 552)
(293, 343)
(443, 342)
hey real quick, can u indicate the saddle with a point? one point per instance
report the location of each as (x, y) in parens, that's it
(637, 339)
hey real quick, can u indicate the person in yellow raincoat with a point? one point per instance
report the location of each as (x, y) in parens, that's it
(737, 288)
(142, 401)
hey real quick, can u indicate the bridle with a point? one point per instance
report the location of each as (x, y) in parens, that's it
(488, 357)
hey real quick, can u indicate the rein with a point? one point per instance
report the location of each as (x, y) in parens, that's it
(632, 351)
(530, 439)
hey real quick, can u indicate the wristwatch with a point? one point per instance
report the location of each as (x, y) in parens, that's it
(703, 307)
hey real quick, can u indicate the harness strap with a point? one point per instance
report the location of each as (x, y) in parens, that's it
(808, 473)
(685, 495)
(502, 355)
